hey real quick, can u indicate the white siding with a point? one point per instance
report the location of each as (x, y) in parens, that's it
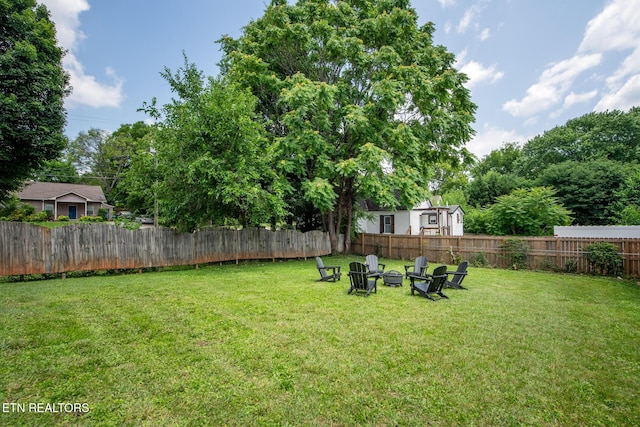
(402, 220)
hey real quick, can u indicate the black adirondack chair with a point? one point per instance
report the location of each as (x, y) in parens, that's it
(374, 267)
(419, 267)
(328, 273)
(430, 285)
(458, 276)
(361, 280)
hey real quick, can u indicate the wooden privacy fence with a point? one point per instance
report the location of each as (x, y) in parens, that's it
(558, 253)
(30, 249)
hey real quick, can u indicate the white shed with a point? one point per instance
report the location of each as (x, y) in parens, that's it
(422, 219)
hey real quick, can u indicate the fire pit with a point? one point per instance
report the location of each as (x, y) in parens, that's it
(392, 278)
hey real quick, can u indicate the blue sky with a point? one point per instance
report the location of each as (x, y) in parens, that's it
(533, 64)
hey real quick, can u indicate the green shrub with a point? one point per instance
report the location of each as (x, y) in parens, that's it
(103, 213)
(127, 223)
(603, 258)
(516, 252)
(571, 266)
(63, 218)
(86, 218)
(479, 259)
(15, 210)
(38, 217)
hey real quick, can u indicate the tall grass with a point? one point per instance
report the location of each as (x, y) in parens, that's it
(264, 344)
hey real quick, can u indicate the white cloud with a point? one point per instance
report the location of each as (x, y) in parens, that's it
(629, 66)
(491, 138)
(86, 89)
(484, 34)
(446, 3)
(573, 99)
(578, 98)
(65, 15)
(623, 98)
(615, 28)
(552, 85)
(478, 73)
(467, 19)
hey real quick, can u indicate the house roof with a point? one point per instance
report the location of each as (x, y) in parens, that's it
(54, 190)
(451, 208)
(369, 205)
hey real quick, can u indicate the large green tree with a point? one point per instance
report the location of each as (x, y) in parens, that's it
(589, 189)
(502, 160)
(484, 190)
(102, 158)
(612, 135)
(33, 85)
(358, 101)
(213, 158)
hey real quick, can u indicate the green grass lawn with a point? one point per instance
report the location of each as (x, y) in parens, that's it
(264, 344)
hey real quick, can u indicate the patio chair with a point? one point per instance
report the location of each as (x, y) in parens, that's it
(360, 279)
(458, 276)
(419, 267)
(325, 274)
(429, 285)
(373, 266)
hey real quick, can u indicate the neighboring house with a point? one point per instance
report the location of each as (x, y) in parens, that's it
(423, 219)
(72, 200)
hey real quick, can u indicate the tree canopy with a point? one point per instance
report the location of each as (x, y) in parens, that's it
(32, 88)
(358, 100)
(610, 135)
(213, 158)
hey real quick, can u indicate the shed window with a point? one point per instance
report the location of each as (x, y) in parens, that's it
(387, 224)
(433, 219)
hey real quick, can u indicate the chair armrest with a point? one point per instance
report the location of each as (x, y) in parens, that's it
(382, 265)
(456, 272)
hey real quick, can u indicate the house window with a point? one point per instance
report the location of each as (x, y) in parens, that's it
(387, 224)
(48, 206)
(433, 219)
(89, 210)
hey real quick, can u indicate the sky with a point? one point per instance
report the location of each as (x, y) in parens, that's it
(532, 64)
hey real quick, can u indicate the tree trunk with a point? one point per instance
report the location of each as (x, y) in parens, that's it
(331, 227)
(347, 233)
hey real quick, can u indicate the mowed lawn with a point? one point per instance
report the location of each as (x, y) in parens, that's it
(263, 343)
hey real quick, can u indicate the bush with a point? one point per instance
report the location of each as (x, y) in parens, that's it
(516, 252)
(103, 213)
(603, 258)
(479, 259)
(38, 217)
(90, 219)
(63, 218)
(571, 266)
(127, 223)
(15, 210)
